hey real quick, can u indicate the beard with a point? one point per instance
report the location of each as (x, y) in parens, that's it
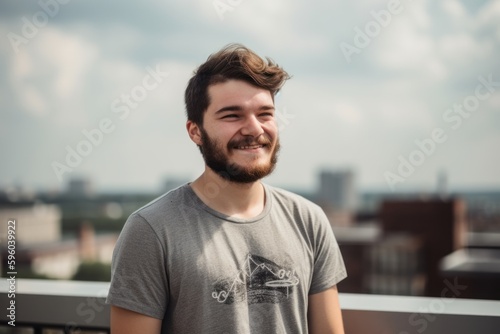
(218, 161)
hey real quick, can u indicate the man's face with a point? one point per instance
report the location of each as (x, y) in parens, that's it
(239, 136)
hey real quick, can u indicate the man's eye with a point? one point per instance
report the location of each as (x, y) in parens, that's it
(230, 116)
(267, 114)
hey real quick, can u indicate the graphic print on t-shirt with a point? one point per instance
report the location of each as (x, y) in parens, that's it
(258, 280)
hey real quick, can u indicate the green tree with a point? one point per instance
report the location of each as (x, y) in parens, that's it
(93, 271)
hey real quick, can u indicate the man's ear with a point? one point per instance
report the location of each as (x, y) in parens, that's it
(194, 132)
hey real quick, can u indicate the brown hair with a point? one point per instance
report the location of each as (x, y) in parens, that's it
(234, 61)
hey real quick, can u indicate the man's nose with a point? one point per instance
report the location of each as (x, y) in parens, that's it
(252, 127)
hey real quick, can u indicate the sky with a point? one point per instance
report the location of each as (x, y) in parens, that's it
(397, 91)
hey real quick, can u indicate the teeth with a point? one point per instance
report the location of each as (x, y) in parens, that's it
(249, 147)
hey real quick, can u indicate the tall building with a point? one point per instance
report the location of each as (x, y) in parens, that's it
(442, 184)
(337, 190)
(80, 186)
(439, 224)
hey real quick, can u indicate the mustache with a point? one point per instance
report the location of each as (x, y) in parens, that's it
(249, 141)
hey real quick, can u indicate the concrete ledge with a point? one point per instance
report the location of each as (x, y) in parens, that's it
(71, 304)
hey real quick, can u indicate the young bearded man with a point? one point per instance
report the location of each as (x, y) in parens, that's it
(226, 253)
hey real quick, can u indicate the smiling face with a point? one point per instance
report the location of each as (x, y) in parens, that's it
(239, 136)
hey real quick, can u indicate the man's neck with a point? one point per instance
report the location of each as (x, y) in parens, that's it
(238, 200)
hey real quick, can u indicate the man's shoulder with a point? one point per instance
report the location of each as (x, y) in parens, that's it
(164, 204)
(303, 211)
(289, 198)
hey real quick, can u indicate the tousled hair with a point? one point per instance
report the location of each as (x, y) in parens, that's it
(234, 61)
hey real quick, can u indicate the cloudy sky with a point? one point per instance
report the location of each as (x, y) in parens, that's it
(395, 90)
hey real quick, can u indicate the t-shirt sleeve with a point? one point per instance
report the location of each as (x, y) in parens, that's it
(329, 268)
(138, 271)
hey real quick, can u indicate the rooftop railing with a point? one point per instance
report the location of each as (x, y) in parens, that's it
(45, 306)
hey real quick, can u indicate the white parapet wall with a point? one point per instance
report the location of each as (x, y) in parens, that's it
(73, 305)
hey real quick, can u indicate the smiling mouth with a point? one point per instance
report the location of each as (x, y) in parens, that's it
(249, 147)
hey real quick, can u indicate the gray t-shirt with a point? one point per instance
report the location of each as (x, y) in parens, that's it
(203, 272)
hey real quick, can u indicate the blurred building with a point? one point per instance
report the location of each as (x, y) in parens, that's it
(381, 263)
(337, 190)
(476, 270)
(336, 194)
(397, 266)
(356, 243)
(80, 187)
(439, 226)
(476, 267)
(442, 184)
(61, 259)
(35, 222)
(399, 253)
(41, 248)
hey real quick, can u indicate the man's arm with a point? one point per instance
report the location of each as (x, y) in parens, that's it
(324, 315)
(128, 322)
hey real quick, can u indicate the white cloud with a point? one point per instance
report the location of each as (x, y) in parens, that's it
(419, 12)
(406, 48)
(277, 21)
(5, 47)
(71, 58)
(454, 8)
(481, 166)
(166, 101)
(489, 14)
(462, 48)
(494, 102)
(34, 101)
(347, 113)
(48, 74)
(29, 97)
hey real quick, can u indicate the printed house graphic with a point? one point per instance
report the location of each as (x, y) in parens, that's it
(258, 281)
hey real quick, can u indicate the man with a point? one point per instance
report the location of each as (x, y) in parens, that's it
(227, 253)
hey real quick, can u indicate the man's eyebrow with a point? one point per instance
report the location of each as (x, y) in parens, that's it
(229, 108)
(239, 108)
(267, 107)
